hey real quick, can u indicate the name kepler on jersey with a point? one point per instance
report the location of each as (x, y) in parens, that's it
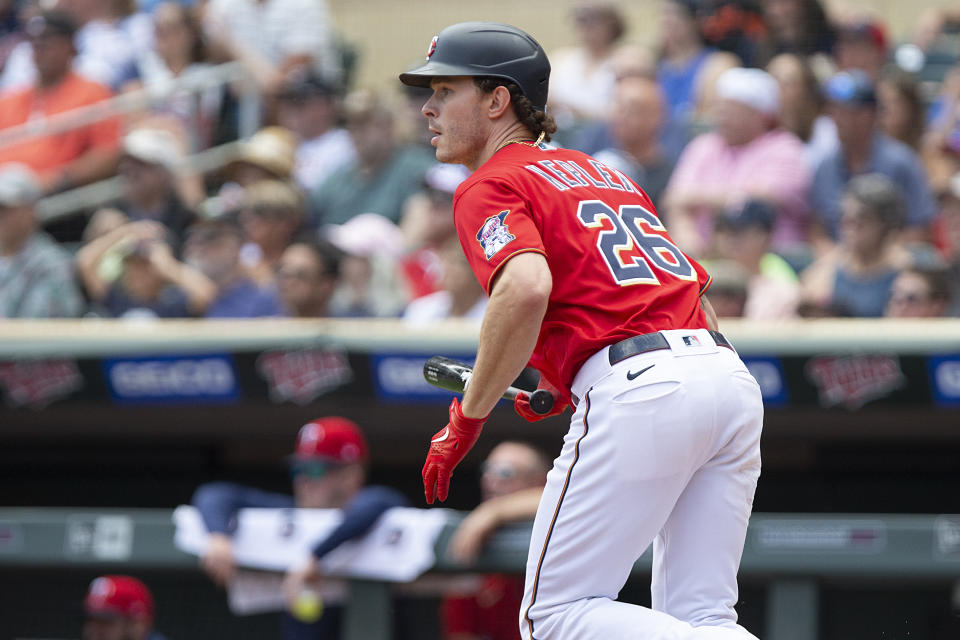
(494, 235)
(563, 175)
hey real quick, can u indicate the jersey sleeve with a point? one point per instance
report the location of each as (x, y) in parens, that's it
(494, 224)
(704, 279)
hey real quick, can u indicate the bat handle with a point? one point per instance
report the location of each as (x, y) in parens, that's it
(541, 402)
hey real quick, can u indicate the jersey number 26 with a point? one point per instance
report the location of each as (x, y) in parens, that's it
(634, 226)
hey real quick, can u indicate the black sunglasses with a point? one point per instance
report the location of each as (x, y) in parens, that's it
(312, 468)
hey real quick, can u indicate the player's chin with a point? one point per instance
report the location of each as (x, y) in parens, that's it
(444, 155)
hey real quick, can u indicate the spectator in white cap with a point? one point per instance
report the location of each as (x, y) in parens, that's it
(36, 277)
(149, 166)
(747, 156)
(370, 284)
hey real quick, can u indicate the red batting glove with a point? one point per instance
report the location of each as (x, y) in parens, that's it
(447, 448)
(522, 402)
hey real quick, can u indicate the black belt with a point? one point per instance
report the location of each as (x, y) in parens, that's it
(636, 345)
(651, 342)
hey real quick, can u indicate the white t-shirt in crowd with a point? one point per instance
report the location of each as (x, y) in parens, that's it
(318, 158)
(578, 83)
(436, 306)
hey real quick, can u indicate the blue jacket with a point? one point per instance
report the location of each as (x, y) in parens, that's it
(218, 503)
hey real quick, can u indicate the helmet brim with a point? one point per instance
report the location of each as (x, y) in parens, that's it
(422, 76)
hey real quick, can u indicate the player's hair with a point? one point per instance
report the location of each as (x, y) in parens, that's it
(535, 120)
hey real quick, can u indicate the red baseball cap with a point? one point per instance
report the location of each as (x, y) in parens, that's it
(333, 438)
(116, 595)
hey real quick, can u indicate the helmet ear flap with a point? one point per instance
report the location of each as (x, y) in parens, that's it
(488, 49)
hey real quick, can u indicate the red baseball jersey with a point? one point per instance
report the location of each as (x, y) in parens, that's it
(616, 272)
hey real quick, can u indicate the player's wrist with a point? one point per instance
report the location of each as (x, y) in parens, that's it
(463, 422)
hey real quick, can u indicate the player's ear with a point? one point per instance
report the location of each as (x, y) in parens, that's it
(499, 102)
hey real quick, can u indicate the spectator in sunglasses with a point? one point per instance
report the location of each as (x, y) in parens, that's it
(328, 470)
(920, 293)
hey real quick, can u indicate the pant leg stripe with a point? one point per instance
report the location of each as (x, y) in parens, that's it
(556, 513)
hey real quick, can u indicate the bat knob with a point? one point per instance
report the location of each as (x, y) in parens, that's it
(541, 402)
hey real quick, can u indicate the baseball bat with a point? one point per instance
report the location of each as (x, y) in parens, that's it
(451, 375)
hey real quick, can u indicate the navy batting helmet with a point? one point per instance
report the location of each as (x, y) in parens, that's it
(488, 49)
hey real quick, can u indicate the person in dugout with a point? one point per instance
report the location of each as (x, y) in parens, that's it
(119, 607)
(328, 468)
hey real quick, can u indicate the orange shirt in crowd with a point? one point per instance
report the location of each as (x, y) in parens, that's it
(47, 154)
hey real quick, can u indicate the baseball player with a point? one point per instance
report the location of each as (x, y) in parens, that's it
(586, 285)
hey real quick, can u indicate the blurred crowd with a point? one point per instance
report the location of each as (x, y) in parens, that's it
(808, 158)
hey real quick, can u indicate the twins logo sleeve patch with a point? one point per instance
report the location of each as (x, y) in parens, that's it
(494, 234)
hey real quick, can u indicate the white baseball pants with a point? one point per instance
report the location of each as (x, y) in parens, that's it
(671, 457)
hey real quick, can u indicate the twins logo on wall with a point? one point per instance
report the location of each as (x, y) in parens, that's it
(303, 376)
(38, 383)
(853, 381)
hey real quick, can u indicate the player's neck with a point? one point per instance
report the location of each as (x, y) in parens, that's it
(508, 135)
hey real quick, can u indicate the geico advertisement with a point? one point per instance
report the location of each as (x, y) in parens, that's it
(172, 379)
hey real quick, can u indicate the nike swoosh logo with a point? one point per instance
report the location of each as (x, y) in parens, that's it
(633, 376)
(446, 430)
